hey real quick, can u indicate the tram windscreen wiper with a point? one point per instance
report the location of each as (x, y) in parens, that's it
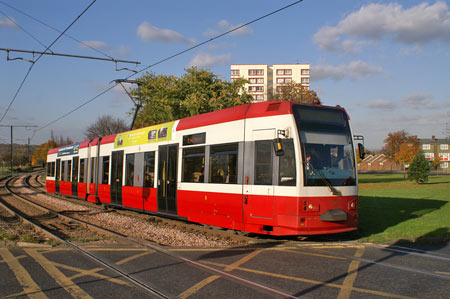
(322, 177)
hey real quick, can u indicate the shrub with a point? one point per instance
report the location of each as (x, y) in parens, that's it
(419, 169)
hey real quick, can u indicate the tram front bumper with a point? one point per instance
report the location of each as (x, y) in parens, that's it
(334, 215)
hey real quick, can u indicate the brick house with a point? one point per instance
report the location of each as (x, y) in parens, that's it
(434, 147)
(378, 162)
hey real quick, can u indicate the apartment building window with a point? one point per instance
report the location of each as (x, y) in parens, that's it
(444, 147)
(305, 72)
(258, 72)
(283, 88)
(284, 80)
(234, 72)
(426, 147)
(252, 88)
(305, 80)
(259, 88)
(444, 156)
(256, 80)
(259, 97)
(284, 72)
(429, 156)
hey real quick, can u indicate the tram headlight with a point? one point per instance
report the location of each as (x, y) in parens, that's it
(353, 205)
(311, 207)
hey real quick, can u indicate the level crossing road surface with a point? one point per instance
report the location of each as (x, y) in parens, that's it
(275, 269)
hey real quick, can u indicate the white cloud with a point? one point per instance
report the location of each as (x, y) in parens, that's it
(124, 51)
(354, 70)
(149, 33)
(7, 22)
(205, 60)
(224, 26)
(418, 25)
(100, 45)
(381, 104)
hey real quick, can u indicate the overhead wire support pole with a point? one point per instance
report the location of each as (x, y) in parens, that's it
(65, 55)
(12, 126)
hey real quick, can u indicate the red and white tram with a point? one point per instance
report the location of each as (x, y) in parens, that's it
(276, 168)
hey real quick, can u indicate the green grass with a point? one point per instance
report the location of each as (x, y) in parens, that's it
(392, 208)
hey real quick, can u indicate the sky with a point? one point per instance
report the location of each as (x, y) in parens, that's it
(386, 62)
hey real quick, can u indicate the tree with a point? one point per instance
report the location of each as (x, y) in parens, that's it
(104, 126)
(40, 154)
(166, 98)
(436, 162)
(394, 141)
(406, 153)
(420, 168)
(60, 140)
(447, 126)
(293, 92)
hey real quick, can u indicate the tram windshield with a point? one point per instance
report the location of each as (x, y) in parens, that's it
(327, 146)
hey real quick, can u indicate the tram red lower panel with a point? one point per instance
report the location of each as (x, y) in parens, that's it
(218, 209)
(50, 186)
(82, 190)
(139, 198)
(65, 188)
(104, 193)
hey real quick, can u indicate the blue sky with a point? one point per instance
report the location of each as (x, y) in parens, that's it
(386, 62)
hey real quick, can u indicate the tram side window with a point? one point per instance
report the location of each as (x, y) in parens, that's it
(63, 170)
(193, 164)
(288, 172)
(223, 163)
(129, 170)
(48, 168)
(82, 166)
(69, 170)
(75, 170)
(105, 167)
(149, 169)
(93, 167)
(58, 170)
(263, 162)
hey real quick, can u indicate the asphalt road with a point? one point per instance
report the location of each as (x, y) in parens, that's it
(273, 269)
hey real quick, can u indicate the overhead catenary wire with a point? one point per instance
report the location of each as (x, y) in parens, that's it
(39, 57)
(23, 29)
(168, 58)
(55, 29)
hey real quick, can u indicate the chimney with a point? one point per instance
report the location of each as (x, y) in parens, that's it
(433, 138)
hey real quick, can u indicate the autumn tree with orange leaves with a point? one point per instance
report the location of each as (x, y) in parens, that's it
(393, 146)
(406, 153)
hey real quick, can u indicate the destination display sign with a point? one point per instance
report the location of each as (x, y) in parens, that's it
(69, 150)
(152, 134)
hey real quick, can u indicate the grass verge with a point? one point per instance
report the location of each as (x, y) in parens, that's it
(393, 208)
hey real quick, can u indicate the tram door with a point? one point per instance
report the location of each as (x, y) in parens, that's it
(167, 179)
(57, 174)
(116, 177)
(259, 206)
